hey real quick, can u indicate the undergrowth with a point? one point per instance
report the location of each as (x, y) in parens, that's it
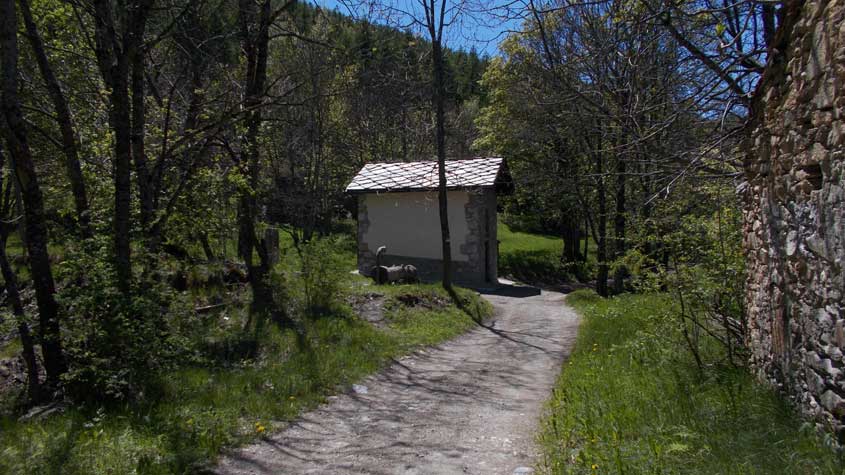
(632, 400)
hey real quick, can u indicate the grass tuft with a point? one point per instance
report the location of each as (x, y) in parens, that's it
(443, 319)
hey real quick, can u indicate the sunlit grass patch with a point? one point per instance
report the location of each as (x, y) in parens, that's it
(535, 258)
(425, 314)
(10, 349)
(631, 400)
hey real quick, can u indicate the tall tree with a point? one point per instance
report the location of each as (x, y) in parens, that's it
(119, 44)
(255, 22)
(10, 278)
(435, 23)
(594, 84)
(35, 225)
(434, 17)
(64, 118)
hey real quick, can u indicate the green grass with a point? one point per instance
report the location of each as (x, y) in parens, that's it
(189, 415)
(631, 400)
(535, 258)
(433, 318)
(199, 410)
(515, 241)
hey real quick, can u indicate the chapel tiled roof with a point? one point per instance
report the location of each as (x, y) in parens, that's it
(422, 176)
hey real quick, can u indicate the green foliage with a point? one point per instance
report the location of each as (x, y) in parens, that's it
(10, 349)
(631, 400)
(426, 314)
(113, 344)
(200, 410)
(693, 249)
(322, 272)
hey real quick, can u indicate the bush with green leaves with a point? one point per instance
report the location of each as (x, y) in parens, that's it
(692, 248)
(114, 345)
(321, 274)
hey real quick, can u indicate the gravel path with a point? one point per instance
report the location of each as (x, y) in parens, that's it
(470, 405)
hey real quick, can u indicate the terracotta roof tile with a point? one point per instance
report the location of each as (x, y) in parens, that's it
(418, 176)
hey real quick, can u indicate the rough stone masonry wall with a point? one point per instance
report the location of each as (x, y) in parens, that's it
(481, 224)
(366, 256)
(473, 248)
(795, 214)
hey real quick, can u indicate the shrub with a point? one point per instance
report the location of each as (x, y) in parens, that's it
(114, 344)
(697, 257)
(321, 274)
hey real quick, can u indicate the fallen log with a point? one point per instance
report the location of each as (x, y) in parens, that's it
(390, 274)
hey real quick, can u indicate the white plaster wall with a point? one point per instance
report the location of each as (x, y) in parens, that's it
(409, 223)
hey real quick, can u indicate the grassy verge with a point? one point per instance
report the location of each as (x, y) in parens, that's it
(535, 258)
(631, 400)
(424, 314)
(191, 414)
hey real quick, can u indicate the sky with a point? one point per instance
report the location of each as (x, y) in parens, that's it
(482, 31)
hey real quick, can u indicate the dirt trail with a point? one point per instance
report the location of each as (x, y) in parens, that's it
(470, 405)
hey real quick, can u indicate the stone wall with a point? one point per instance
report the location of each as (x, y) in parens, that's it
(795, 214)
(481, 245)
(366, 256)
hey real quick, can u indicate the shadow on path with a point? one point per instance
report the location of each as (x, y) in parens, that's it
(511, 290)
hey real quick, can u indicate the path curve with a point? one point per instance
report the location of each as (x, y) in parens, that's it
(470, 405)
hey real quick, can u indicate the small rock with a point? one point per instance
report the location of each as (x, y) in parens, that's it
(791, 243)
(523, 471)
(833, 403)
(359, 389)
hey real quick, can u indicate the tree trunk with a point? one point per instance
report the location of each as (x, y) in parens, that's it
(117, 56)
(601, 248)
(63, 118)
(135, 52)
(440, 137)
(121, 124)
(35, 223)
(114, 67)
(619, 226)
(202, 237)
(570, 235)
(11, 286)
(255, 26)
(33, 385)
(586, 239)
(769, 14)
